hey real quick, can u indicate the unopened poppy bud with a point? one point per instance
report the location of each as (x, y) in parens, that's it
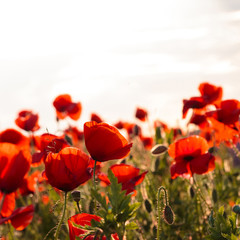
(68, 139)
(236, 209)
(136, 130)
(148, 205)
(158, 149)
(192, 193)
(76, 196)
(168, 215)
(91, 206)
(214, 195)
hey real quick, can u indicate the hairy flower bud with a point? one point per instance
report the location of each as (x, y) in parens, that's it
(236, 209)
(168, 215)
(158, 149)
(148, 205)
(76, 196)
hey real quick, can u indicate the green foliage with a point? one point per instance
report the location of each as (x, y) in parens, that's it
(223, 227)
(117, 214)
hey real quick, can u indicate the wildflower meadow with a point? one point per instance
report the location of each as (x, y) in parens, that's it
(114, 181)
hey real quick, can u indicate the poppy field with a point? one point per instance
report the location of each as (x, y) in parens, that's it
(115, 181)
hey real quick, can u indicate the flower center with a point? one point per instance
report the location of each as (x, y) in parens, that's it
(188, 158)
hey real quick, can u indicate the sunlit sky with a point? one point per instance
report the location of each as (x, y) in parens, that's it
(113, 56)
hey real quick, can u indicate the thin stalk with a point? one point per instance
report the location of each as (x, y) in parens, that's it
(63, 214)
(94, 170)
(78, 206)
(160, 209)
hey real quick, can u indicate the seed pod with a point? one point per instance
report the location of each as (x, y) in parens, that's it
(214, 195)
(76, 196)
(236, 209)
(148, 205)
(158, 149)
(168, 215)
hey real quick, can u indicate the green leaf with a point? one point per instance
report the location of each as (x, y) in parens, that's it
(131, 226)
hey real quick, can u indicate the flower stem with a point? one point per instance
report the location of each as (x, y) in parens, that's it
(160, 205)
(94, 171)
(63, 214)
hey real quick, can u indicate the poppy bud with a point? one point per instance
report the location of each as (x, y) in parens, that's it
(136, 130)
(236, 209)
(76, 196)
(148, 205)
(168, 215)
(192, 193)
(214, 195)
(91, 206)
(158, 149)
(68, 139)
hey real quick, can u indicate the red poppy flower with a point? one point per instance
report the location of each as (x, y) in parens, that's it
(82, 220)
(199, 119)
(67, 169)
(190, 156)
(14, 164)
(8, 204)
(20, 218)
(210, 93)
(147, 142)
(193, 102)
(141, 114)
(104, 142)
(227, 113)
(15, 137)
(127, 175)
(65, 107)
(27, 120)
(119, 125)
(47, 143)
(96, 118)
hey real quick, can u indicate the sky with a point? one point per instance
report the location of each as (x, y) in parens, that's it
(114, 56)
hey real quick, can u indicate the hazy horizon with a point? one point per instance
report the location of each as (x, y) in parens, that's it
(114, 57)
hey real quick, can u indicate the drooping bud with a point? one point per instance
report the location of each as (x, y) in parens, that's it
(136, 130)
(158, 149)
(236, 209)
(168, 215)
(192, 193)
(214, 195)
(76, 196)
(148, 205)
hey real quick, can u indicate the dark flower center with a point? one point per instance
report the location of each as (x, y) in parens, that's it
(188, 158)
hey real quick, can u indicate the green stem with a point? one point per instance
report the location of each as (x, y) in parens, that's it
(94, 171)
(63, 214)
(78, 206)
(160, 208)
